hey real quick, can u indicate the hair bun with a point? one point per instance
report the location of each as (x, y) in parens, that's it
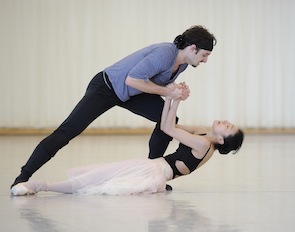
(179, 41)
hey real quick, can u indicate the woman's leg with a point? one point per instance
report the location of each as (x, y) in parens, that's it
(98, 99)
(60, 187)
(33, 187)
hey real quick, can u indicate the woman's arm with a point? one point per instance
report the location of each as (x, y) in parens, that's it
(197, 130)
(165, 111)
(168, 120)
(185, 136)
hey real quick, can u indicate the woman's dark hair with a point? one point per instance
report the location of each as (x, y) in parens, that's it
(197, 35)
(231, 143)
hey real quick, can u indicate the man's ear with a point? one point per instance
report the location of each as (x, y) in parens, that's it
(193, 47)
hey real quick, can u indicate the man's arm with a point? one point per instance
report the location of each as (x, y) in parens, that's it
(152, 88)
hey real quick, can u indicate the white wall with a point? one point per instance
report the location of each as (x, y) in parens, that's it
(50, 49)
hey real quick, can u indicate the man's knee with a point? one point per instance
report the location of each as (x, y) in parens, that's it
(54, 142)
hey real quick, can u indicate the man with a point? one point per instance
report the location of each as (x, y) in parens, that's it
(136, 83)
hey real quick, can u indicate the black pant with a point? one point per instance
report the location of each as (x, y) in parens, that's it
(98, 99)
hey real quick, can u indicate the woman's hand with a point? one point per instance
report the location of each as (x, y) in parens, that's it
(177, 91)
(185, 91)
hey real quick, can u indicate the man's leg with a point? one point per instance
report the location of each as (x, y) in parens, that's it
(150, 106)
(158, 143)
(92, 105)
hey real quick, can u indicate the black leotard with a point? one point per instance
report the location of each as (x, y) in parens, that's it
(184, 154)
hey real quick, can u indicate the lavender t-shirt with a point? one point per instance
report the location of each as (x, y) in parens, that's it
(153, 63)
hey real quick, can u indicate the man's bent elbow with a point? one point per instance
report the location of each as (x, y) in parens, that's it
(128, 81)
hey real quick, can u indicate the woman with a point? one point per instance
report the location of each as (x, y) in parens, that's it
(148, 175)
(134, 83)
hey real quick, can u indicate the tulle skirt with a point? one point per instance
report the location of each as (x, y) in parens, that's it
(122, 178)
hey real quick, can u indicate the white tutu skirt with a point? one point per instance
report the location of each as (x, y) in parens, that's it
(122, 178)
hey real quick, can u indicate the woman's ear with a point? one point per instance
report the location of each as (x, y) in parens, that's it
(220, 139)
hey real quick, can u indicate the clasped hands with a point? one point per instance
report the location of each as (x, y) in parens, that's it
(178, 91)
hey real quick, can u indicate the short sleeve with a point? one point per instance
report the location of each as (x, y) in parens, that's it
(157, 61)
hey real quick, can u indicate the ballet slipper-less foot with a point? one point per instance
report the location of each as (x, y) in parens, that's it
(21, 190)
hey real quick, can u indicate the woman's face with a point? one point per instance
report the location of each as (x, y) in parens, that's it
(224, 128)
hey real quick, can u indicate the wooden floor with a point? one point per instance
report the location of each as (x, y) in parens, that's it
(253, 190)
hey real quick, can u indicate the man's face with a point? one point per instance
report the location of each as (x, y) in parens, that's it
(196, 57)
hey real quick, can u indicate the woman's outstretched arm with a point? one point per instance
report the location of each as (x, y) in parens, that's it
(185, 135)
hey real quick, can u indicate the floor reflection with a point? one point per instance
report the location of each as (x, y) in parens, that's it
(152, 213)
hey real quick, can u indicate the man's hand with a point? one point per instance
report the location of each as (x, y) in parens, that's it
(185, 91)
(178, 91)
(174, 92)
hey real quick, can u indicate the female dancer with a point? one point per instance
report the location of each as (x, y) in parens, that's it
(135, 83)
(147, 175)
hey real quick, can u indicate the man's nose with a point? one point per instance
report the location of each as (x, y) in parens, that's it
(205, 60)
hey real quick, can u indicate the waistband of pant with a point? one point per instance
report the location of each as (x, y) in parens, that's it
(107, 80)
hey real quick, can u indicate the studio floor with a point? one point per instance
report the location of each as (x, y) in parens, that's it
(253, 190)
